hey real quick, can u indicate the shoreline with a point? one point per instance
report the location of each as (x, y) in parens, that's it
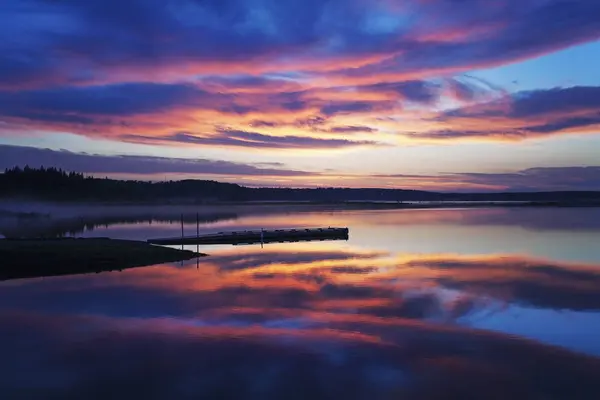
(32, 209)
(34, 258)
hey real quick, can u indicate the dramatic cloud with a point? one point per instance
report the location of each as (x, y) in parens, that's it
(522, 115)
(452, 37)
(71, 41)
(154, 109)
(11, 156)
(131, 99)
(289, 74)
(113, 100)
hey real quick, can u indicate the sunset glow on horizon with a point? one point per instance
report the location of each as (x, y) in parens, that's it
(425, 94)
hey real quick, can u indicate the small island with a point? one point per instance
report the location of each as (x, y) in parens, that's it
(29, 258)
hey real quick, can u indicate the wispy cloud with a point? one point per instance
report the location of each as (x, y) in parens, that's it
(154, 110)
(533, 179)
(521, 115)
(236, 138)
(11, 156)
(352, 129)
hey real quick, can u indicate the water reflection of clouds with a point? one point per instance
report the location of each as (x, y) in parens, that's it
(531, 282)
(321, 320)
(295, 320)
(104, 357)
(428, 287)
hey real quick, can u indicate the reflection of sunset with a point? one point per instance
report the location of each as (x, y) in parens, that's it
(347, 356)
(369, 283)
(382, 318)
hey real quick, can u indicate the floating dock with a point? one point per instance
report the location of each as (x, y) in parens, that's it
(258, 236)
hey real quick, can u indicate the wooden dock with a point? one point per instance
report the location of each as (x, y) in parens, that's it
(258, 236)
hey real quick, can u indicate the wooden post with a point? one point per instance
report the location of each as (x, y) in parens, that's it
(182, 231)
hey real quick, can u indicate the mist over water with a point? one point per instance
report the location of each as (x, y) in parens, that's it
(417, 303)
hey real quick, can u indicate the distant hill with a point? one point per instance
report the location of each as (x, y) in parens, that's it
(57, 185)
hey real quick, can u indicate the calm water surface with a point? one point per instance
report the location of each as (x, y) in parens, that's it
(419, 304)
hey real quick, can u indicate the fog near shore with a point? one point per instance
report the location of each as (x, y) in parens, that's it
(70, 210)
(36, 218)
(24, 218)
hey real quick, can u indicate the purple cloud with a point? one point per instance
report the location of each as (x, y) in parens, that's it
(90, 67)
(237, 138)
(523, 115)
(352, 129)
(11, 156)
(343, 107)
(511, 30)
(539, 179)
(314, 122)
(566, 123)
(114, 100)
(536, 103)
(246, 82)
(71, 41)
(414, 91)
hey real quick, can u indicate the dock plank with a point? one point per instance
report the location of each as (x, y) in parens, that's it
(258, 236)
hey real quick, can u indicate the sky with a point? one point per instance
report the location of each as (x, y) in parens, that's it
(448, 95)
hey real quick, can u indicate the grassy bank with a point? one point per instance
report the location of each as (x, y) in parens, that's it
(50, 257)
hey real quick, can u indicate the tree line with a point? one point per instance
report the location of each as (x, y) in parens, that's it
(58, 185)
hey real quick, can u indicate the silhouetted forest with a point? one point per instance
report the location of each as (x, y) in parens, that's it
(58, 185)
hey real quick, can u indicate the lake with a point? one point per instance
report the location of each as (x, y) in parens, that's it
(422, 304)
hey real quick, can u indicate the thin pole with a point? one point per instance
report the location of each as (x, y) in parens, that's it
(181, 231)
(197, 242)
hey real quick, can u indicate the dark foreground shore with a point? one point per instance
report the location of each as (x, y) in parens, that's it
(30, 258)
